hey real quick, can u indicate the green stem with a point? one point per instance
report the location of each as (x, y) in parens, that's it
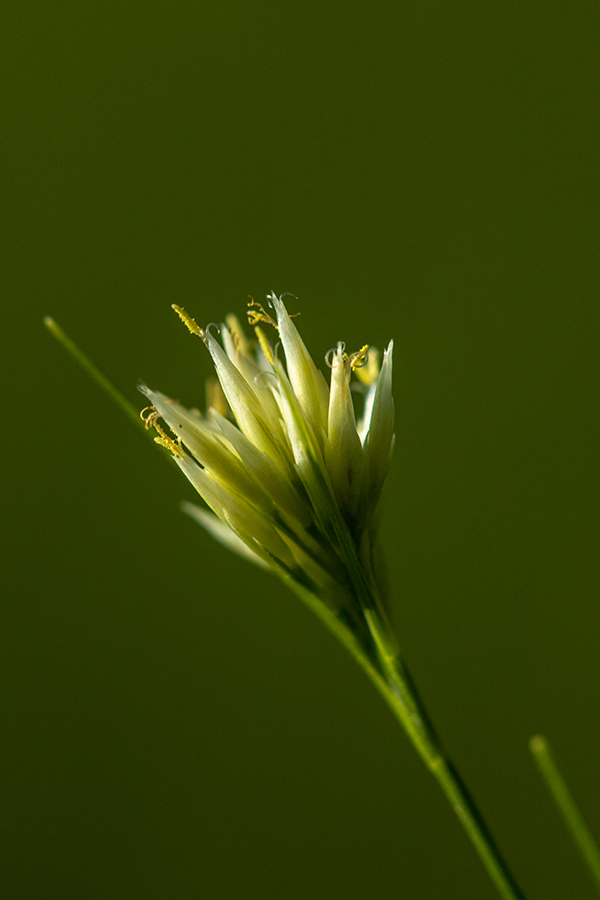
(96, 374)
(402, 697)
(406, 705)
(563, 798)
(397, 689)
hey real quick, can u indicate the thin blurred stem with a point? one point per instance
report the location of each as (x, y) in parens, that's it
(406, 705)
(401, 695)
(397, 689)
(96, 374)
(394, 683)
(567, 807)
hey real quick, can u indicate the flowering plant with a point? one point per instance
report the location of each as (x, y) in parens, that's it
(293, 482)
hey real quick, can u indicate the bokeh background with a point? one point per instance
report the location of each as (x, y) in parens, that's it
(173, 724)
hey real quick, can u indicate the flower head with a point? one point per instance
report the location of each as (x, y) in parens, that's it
(291, 478)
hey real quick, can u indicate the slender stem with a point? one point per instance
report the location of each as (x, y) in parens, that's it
(563, 798)
(406, 705)
(96, 374)
(397, 689)
(401, 695)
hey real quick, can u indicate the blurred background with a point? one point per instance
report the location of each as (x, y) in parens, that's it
(174, 725)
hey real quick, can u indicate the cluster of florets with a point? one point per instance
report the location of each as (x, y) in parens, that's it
(292, 478)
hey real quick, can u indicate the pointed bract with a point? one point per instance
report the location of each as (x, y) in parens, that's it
(293, 481)
(221, 532)
(308, 383)
(381, 428)
(344, 454)
(254, 530)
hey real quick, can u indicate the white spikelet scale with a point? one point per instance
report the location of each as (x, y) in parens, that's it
(289, 474)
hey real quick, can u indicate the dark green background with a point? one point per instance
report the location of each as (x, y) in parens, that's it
(173, 724)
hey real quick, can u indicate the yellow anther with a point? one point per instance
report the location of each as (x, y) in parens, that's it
(360, 358)
(149, 416)
(264, 344)
(369, 372)
(259, 315)
(165, 441)
(187, 320)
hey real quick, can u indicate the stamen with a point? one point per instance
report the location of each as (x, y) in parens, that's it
(369, 372)
(165, 441)
(149, 416)
(264, 344)
(187, 320)
(259, 315)
(360, 358)
(149, 419)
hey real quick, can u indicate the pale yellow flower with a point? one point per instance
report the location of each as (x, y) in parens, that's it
(291, 478)
(293, 482)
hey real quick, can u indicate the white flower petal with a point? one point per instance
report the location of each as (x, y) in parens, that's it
(308, 383)
(210, 451)
(255, 530)
(307, 452)
(237, 349)
(344, 455)
(268, 474)
(243, 401)
(221, 532)
(381, 430)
